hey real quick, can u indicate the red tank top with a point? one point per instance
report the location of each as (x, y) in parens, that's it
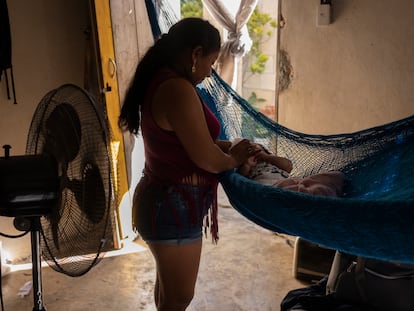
(165, 158)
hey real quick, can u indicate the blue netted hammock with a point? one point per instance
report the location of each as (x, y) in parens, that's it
(375, 217)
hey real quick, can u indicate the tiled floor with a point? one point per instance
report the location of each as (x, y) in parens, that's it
(249, 270)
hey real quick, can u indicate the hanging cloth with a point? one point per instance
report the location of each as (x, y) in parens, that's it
(238, 41)
(5, 49)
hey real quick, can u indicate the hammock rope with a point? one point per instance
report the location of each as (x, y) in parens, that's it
(375, 217)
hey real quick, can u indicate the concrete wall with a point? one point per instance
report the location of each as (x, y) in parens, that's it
(355, 73)
(48, 45)
(48, 51)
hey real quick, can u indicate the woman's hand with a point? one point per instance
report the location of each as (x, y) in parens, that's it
(246, 166)
(242, 151)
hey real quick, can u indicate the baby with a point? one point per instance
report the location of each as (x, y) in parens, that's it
(273, 170)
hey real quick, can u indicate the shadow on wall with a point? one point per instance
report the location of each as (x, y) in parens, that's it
(285, 71)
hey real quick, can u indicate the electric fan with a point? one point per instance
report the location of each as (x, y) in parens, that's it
(62, 189)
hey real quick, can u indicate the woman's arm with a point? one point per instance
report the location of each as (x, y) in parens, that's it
(224, 145)
(177, 107)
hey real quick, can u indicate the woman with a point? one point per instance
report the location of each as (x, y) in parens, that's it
(176, 196)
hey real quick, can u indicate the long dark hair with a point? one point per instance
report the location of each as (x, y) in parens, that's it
(182, 38)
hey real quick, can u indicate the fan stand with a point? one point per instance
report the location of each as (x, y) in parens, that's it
(27, 201)
(33, 224)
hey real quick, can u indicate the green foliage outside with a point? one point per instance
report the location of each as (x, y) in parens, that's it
(260, 26)
(253, 99)
(191, 8)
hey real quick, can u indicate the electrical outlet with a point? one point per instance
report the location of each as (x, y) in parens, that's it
(324, 14)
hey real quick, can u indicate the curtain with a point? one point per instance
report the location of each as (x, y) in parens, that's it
(238, 41)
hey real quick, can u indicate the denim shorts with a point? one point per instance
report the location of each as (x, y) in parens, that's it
(170, 214)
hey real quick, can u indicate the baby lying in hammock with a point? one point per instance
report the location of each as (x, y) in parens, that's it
(269, 169)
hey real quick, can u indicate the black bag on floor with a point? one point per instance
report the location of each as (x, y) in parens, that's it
(376, 285)
(314, 298)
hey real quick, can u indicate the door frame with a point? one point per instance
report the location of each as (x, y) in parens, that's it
(109, 87)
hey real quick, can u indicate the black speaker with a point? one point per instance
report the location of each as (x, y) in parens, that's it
(311, 262)
(29, 185)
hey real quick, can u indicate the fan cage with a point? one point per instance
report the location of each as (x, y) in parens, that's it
(68, 125)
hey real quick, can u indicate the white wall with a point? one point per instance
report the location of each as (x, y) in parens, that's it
(355, 73)
(48, 48)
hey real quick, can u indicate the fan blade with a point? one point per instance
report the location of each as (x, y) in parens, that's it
(89, 193)
(63, 133)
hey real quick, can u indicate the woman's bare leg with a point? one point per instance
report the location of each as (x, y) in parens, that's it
(177, 270)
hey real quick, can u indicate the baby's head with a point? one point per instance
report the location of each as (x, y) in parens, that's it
(261, 147)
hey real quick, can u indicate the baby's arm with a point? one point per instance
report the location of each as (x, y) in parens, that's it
(280, 162)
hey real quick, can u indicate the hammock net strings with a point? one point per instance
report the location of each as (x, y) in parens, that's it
(373, 219)
(376, 161)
